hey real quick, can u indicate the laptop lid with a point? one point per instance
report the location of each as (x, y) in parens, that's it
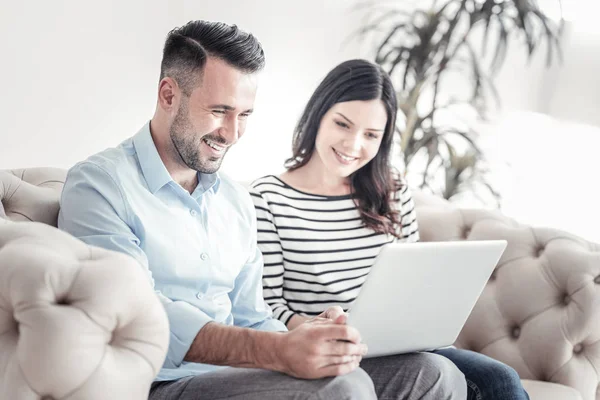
(418, 296)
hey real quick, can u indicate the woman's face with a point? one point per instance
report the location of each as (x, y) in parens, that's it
(349, 135)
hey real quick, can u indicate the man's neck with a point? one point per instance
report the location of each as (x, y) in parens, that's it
(186, 177)
(188, 183)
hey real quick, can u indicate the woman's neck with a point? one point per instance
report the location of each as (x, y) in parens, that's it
(314, 178)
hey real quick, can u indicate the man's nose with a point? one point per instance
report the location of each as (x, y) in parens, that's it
(230, 130)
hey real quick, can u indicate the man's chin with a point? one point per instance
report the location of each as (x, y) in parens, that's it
(206, 164)
(209, 167)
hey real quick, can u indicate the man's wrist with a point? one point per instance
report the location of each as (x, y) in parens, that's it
(267, 349)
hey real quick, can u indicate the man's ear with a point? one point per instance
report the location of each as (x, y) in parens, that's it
(169, 95)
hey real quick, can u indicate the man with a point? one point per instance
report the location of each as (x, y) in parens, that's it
(158, 197)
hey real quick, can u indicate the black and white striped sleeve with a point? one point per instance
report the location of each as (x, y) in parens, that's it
(409, 225)
(269, 244)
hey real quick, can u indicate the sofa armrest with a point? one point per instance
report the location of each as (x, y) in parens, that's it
(540, 311)
(76, 321)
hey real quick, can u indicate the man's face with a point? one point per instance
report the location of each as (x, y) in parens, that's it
(214, 116)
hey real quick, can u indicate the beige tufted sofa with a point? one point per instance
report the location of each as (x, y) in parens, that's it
(540, 312)
(76, 322)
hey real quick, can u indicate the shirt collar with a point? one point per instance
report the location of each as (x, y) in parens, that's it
(208, 181)
(154, 170)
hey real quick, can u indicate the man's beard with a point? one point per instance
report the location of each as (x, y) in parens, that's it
(187, 144)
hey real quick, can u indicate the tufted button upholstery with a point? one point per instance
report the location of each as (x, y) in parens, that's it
(76, 321)
(516, 332)
(539, 251)
(465, 232)
(31, 195)
(540, 312)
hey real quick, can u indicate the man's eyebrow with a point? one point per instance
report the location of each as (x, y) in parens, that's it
(348, 119)
(229, 108)
(222, 106)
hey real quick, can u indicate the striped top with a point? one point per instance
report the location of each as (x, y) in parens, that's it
(317, 251)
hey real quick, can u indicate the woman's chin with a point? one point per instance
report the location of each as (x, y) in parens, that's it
(342, 171)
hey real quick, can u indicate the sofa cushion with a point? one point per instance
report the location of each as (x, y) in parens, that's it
(538, 390)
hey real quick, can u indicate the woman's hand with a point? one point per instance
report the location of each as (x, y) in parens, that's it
(333, 314)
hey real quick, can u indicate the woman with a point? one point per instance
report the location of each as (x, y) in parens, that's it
(322, 222)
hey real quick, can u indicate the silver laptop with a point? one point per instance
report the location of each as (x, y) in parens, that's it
(418, 296)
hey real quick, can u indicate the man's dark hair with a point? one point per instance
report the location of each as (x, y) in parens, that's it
(187, 48)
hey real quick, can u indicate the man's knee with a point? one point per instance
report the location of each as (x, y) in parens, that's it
(445, 379)
(355, 385)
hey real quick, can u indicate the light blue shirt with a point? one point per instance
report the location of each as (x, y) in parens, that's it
(199, 250)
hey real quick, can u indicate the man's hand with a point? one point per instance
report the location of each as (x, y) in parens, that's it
(320, 347)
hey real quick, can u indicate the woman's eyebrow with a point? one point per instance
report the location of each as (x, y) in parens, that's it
(352, 123)
(346, 118)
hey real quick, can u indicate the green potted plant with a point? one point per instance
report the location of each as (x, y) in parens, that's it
(431, 55)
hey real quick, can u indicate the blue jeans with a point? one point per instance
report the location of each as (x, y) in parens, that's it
(487, 379)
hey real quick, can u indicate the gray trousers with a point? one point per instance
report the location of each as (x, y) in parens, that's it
(423, 376)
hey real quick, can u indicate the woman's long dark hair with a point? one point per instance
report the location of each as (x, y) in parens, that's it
(374, 186)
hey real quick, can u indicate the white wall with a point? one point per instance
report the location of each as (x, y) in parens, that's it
(569, 89)
(575, 93)
(80, 76)
(545, 139)
(547, 169)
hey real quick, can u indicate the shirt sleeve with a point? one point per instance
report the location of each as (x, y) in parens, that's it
(93, 209)
(269, 244)
(409, 226)
(249, 308)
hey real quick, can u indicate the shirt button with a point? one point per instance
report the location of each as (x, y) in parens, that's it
(199, 296)
(193, 212)
(204, 256)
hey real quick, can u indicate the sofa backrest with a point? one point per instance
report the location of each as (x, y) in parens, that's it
(31, 194)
